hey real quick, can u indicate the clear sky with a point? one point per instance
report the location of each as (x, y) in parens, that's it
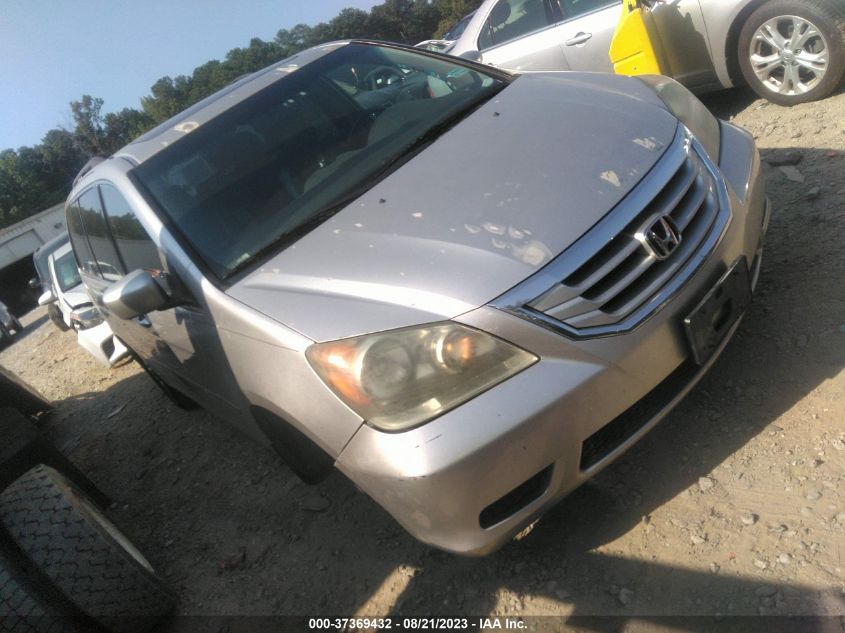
(54, 51)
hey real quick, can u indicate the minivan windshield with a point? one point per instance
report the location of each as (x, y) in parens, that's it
(281, 161)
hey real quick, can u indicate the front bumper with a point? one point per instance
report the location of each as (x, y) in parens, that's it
(470, 479)
(102, 344)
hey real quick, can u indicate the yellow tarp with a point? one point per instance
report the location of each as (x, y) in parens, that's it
(636, 48)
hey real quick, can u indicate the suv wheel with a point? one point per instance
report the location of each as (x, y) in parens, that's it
(793, 51)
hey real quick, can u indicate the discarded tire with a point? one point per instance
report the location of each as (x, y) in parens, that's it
(28, 604)
(84, 555)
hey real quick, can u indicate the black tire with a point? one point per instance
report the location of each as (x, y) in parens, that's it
(5, 336)
(83, 554)
(56, 317)
(828, 17)
(29, 603)
(16, 324)
(174, 395)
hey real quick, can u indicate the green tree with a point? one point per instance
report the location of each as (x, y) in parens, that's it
(451, 11)
(350, 24)
(120, 128)
(32, 178)
(88, 124)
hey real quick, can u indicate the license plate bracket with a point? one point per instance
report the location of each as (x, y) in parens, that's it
(711, 320)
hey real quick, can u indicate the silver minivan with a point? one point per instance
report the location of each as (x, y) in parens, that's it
(468, 290)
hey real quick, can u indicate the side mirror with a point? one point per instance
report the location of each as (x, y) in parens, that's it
(47, 298)
(34, 283)
(473, 56)
(136, 294)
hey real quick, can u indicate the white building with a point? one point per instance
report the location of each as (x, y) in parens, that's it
(20, 240)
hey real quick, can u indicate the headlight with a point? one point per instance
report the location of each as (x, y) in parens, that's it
(85, 317)
(689, 110)
(399, 379)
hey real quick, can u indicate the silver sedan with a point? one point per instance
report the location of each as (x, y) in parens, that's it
(788, 51)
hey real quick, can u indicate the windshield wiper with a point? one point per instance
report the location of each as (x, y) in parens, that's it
(301, 229)
(435, 132)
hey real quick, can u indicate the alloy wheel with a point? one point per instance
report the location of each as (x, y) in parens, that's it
(789, 55)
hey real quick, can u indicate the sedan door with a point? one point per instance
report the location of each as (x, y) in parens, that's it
(586, 30)
(682, 30)
(521, 35)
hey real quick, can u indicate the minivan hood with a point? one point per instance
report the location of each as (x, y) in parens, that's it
(486, 205)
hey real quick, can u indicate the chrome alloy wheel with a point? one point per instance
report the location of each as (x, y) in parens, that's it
(789, 55)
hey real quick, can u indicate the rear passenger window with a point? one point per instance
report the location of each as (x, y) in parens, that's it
(99, 238)
(84, 257)
(511, 19)
(133, 243)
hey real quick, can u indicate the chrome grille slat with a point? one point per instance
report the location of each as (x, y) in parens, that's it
(684, 214)
(677, 188)
(627, 248)
(692, 241)
(623, 277)
(602, 288)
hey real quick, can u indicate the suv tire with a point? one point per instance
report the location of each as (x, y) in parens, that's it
(56, 317)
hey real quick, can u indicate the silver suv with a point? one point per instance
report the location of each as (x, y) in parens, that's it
(468, 290)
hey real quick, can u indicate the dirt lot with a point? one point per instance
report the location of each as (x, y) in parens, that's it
(734, 505)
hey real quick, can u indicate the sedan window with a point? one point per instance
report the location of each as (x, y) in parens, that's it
(574, 8)
(281, 161)
(511, 19)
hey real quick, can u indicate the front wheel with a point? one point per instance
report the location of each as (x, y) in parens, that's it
(793, 51)
(56, 317)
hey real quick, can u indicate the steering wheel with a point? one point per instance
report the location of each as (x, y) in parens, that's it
(373, 79)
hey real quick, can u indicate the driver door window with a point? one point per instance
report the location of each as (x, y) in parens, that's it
(516, 36)
(511, 19)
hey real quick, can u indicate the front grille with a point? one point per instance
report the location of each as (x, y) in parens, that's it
(609, 279)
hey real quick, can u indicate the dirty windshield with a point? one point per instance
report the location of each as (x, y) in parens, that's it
(281, 161)
(67, 275)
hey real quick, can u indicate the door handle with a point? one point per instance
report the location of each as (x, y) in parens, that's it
(579, 38)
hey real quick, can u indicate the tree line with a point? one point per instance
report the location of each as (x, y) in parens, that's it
(37, 177)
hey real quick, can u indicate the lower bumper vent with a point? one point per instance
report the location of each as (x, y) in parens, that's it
(619, 430)
(516, 499)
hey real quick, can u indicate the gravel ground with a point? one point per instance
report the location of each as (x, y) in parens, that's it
(735, 505)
